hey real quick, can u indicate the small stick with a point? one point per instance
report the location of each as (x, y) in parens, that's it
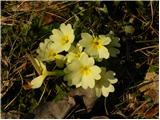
(154, 46)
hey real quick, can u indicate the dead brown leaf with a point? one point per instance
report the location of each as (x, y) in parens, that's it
(47, 19)
(89, 96)
(151, 89)
(150, 76)
(27, 86)
(10, 115)
(24, 6)
(143, 107)
(152, 112)
(55, 110)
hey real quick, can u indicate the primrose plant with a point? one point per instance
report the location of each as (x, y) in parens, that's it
(78, 59)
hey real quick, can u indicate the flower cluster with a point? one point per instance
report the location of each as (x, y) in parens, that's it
(79, 59)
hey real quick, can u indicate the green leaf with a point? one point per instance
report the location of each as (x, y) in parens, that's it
(60, 93)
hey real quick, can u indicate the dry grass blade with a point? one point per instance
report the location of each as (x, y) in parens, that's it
(8, 21)
(5, 86)
(55, 15)
(12, 100)
(20, 68)
(154, 46)
(139, 108)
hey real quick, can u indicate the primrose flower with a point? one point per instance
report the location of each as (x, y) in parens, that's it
(74, 53)
(104, 85)
(48, 51)
(37, 82)
(95, 46)
(63, 37)
(82, 72)
(112, 47)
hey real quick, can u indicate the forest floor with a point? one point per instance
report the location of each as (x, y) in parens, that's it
(25, 24)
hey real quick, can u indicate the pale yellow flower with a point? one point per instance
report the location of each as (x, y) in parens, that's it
(104, 85)
(37, 82)
(63, 37)
(74, 53)
(114, 45)
(95, 46)
(82, 72)
(48, 51)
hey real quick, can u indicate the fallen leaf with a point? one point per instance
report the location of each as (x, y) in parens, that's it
(88, 95)
(55, 110)
(143, 108)
(27, 86)
(150, 76)
(23, 6)
(47, 19)
(10, 115)
(152, 87)
(149, 114)
(139, 111)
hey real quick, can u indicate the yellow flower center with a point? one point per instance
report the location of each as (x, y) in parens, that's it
(78, 54)
(85, 70)
(52, 54)
(65, 40)
(97, 43)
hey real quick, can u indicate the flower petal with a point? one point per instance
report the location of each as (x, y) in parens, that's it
(86, 39)
(91, 51)
(57, 35)
(66, 29)
(79, 85)
(37, 82)
(63, 47)
(76, 78)
(103, 52)
(110, 76)
(95, 72)
(88, 81)
(105, 40)
(74, 66)
(111, 88)
(105, 91)
(85, 60)
(86, 36)
(70, 57)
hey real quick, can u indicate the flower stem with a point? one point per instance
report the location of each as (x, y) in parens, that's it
(56, 72)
